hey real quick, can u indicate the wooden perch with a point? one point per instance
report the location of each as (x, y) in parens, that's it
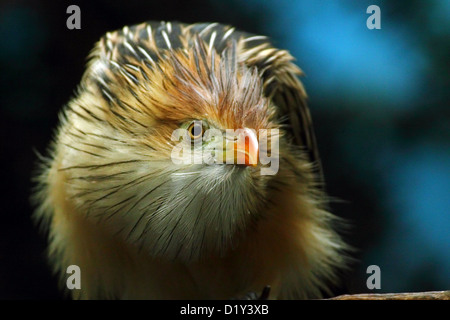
(430, 295)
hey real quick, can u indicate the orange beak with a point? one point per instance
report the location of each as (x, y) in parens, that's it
(245, 148)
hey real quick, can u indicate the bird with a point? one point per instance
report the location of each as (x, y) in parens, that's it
(114, 199)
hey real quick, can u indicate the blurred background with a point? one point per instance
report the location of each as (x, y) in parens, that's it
(379, 100)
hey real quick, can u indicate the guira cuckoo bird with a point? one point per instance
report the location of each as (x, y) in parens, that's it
(143, 226)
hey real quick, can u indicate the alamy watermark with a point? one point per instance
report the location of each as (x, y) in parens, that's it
(74, 20)
(74, 280)
(241, 146)
(374, 20)
(374, 280)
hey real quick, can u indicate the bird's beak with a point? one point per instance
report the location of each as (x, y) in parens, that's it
(241, 148)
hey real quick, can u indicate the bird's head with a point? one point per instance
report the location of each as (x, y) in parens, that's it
(166, 144)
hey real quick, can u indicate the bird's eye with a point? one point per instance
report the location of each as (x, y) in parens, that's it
(196, 130)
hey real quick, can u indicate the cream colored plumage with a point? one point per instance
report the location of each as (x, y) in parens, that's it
(140, 226)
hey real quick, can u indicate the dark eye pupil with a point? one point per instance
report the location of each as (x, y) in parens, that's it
(196, 130)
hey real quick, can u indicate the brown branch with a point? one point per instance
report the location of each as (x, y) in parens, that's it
(430, 295)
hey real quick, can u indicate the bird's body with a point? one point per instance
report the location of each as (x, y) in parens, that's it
(140, 225)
